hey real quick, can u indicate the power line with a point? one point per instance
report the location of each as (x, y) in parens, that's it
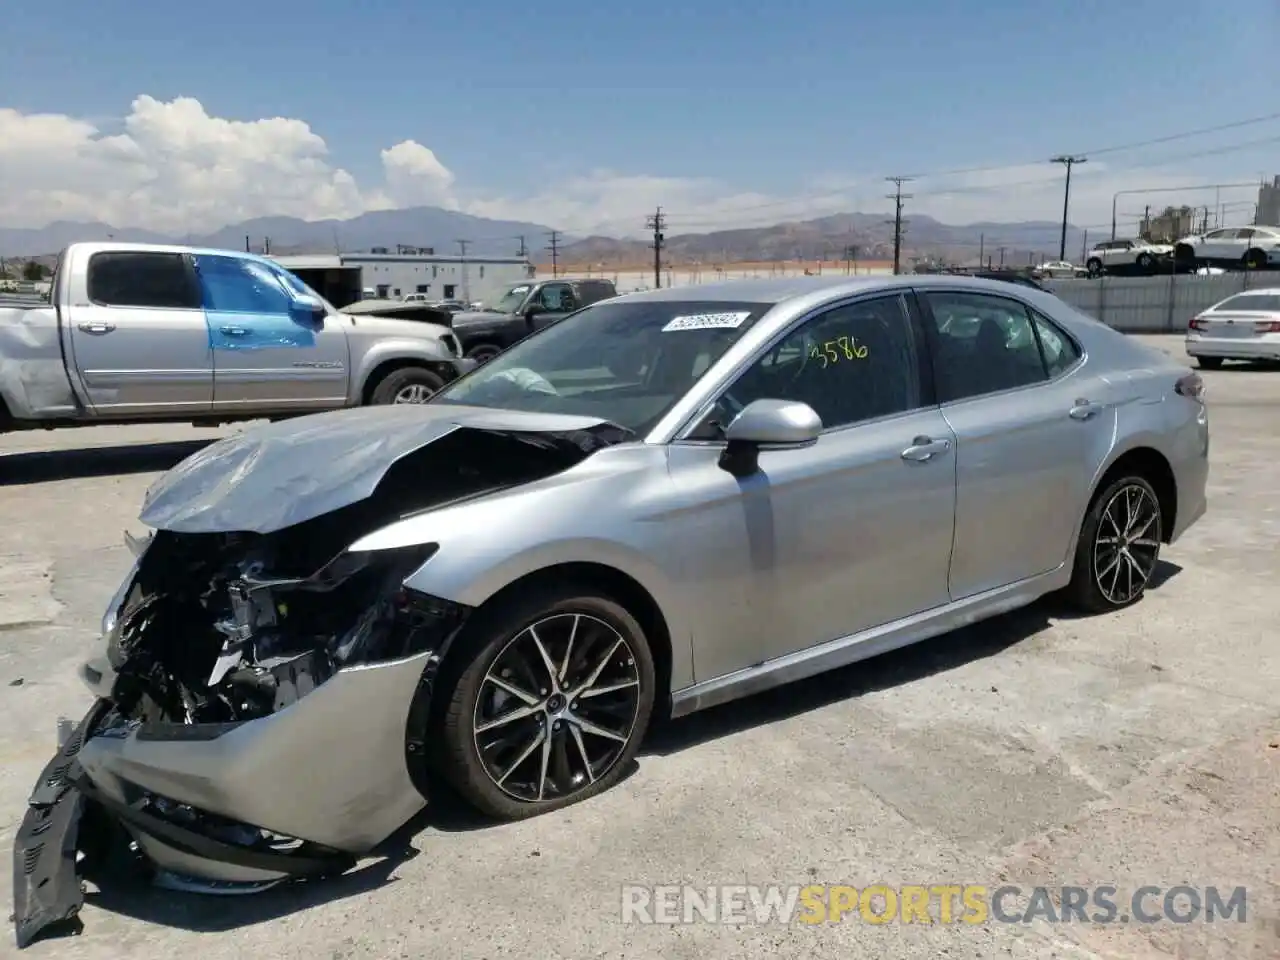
(554, 247)
(897, 197)
(657, 223)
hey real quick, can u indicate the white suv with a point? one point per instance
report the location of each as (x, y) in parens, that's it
(1114, 255)
(1254, 248)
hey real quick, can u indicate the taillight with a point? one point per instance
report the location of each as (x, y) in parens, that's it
(1196, 324)
(1191, 386)
(1273, 327)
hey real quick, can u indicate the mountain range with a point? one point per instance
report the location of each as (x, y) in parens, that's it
(829, 237)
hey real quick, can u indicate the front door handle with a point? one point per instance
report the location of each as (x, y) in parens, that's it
(925, 448)
(1084, 409)
(234, 331)
(97, 327)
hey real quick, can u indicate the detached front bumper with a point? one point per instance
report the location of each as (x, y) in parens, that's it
(332, 772)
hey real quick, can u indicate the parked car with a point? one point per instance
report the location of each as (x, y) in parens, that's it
(663, 502)
(1251, 248)
(139, 332)
(1245, 326)
(1057, 270)
(1122, 256)
(522, 309)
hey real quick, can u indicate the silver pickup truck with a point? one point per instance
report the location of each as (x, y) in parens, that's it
(141, 332)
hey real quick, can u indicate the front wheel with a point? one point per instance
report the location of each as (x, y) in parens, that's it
(1094, 267)
(1119, 546)
(1255, 260)
(550, 705)
(407, 385)
(1145, 262)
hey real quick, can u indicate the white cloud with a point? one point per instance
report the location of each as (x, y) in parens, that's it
(173, 167)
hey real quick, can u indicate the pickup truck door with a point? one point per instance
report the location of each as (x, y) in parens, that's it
(268, 352)
(138, 336)
(553, 302)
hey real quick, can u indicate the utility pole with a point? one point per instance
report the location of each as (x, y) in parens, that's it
(246, 244)
(657, 223)
(1084, 247)
(1068, 161)
(982, 248)
(554, 247)
(850, 258)
(897, 197)
(466, 275)
(523, 250)
(1001, 252)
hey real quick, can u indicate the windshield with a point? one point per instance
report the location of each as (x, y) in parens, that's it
(627, 363)
(1265, 302)
(510, 301)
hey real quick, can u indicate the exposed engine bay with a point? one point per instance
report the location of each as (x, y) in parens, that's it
(227, 627)
(216, 630)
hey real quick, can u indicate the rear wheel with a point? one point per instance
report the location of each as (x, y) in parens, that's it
(1119, 546)
(1255, 260)
(1094, 266)
(1209, 363)
(1146, 262)
(550, 707)
(483, 352)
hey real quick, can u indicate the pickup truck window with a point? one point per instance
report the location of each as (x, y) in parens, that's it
(235, 285)
(142, 279)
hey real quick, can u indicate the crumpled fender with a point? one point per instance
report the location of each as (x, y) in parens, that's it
(281, 474)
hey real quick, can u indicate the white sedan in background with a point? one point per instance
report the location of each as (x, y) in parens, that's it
(1057, 270)
(1254, 248)
(1245, 326)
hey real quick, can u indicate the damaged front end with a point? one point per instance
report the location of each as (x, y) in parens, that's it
(262, 700)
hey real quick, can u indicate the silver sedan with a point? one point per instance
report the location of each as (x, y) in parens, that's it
(663, 502)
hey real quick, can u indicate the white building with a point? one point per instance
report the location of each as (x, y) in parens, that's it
(345, 278)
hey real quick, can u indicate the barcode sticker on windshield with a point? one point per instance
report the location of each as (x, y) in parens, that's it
(707, 321)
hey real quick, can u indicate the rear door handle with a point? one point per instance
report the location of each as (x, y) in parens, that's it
(925, 448)
(97, 327)
(234, 331)
(1084, 409)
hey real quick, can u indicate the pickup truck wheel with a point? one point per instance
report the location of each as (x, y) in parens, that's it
(407, 385)
(483, 352)
(1094, 266)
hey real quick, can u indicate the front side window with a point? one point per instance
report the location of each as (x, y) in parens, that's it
(129, 278)
(555, 297)
(510, 301)
(853, 363)
(985, 344)
(628, 363)
(235, 285)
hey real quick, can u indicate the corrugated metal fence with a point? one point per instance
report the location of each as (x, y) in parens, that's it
(1155, 304)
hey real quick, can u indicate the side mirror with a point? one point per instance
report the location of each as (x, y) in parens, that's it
(304, 303)
(767, 425)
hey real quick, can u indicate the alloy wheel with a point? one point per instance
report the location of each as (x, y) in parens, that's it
(1127, 544)
(557, 707)
(413, 393)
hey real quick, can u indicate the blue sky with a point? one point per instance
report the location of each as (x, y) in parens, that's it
(767, 99)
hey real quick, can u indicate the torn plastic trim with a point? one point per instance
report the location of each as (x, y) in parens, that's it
(46, 885)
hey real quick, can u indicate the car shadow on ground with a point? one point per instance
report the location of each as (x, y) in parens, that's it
(447, 813)
(44, 466)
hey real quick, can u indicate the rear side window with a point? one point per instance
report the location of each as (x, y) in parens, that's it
(142, 279)
(1060, 351)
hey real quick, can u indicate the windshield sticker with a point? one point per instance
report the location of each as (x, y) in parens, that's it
(707, 321)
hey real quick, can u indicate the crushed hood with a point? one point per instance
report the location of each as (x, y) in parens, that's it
(281, 474)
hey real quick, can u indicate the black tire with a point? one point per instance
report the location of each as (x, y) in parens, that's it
(483, 352)
(1146, 262)
(1184, 258)
(1255, 260)
(489, 638)
(1209, 363)
(402, 382)
(1086, 589)
(1094, 267)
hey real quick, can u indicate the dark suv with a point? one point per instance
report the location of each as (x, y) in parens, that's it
(522, 309)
